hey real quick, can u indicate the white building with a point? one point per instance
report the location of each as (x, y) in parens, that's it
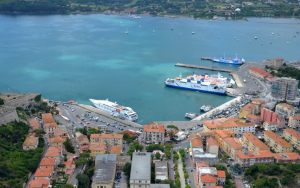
(270, 126)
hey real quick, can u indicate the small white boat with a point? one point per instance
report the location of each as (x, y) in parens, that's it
(153, 31)
(126, 31)
(255, 37)
(193, 32)
(202, 108)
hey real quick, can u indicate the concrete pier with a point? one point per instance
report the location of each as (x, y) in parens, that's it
(203, 67)
(218, 109)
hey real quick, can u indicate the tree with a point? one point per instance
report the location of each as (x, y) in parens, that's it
(224, 157)
(32, 110)
(32, 164)
(1, 101)
(83, 180)
(186, 176)
(127, 169)
(38, 98)
(236, 168)
(176, 157)
(157, 155)
(69, 186)
(90, 172)
(68, 145)
(39, 133)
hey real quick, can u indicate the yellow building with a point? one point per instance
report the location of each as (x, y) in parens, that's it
(220, 135)
(248, 109)
(109, 139)
(96, 149)
(277, 143)
(232, 146)
(293, 137)
(253, 143)
(31, 143)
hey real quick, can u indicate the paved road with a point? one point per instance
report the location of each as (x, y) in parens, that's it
(180, 171)
(123, 181)
(239, 183)
(74, 180)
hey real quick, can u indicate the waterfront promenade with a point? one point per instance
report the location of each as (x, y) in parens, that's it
(203, 67)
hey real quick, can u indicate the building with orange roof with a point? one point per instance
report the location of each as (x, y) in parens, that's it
(48, 163)
(216, 187)
(258, 73)
(253, 143)
(54, 152)
(294, 122)
(253, 119)
(34, 124)
(97, 148)
(194, 136)
(254, 157)
(219, 175)
(232, 146)
(50, 128)
(276, 63)
(270, 126)
(39, 183)
(248, 109)
(196, 143)
(82, 141)
(30, 143)
(285, 109)
(220, 135)
(43, 173)
(212, 146)
(284, 158)
(115, 150)
(293, 137)
(207, 181)
(61, 133)
(154, 134)
(209, 126)
(109, 139)
(56, 142)
(47, 118)
(276, 143)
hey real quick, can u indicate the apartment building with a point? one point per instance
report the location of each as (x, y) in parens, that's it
(50, 128)
(82, 141)
(56, 153)
(48, 163)
(270, 126)
(220, 135)
(276, 143)
(293, 137)
(198, 155)
(97, 149)
(284, 158)
(122, 160)
(34, 124)
(196, 143)
(284, 88)
(276, 63)
(56, 142)
(253, 119)
(154, 134)
(109, 139)
(210, 177)
(259, 104)
(140, 177)
(253, 143)
(61, 133)
(254, 157)
(248, 109)
(258, 73)
(47, 118)
(43, 173)
(30, 143)
(270, 116)
(285, 109)
(294, 121)
(39, 183)
(212, 146)
(232, 146)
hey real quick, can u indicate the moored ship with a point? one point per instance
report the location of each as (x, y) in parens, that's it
(205, 83)
(229, 60)
(115, 109)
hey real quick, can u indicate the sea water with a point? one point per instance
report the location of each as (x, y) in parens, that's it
(78, 57)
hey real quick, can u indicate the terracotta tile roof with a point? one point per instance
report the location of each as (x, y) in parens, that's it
(82, 138)
(286, 105)
(56, 140)
(97, 146)
(192, 136)
(69, 171)
(251, 116)
(277, 139)
(293, 133)
(270, 123)
(207, 133)
(130, 133)
(34, 124)
(261, 72)
(221, 174)
(295, 117)
(154, 128)
(52, 152)
(30, 141)
(39, 183)
(258, 101)
(49, 120)
(209, 125)
(196, 143)
(211, 142)
(58, 132)
(115, 149)
(208, 179)
(248, 107)
(202, 164)
(256, 141)
(222, 133)
(47, 116)
(43, 172)
(234, 143)
(291, 156)
(278, 59)
(47, 162)
(107, 136)
(49, 125)
(245, 124)
(68, 163)
(255, 154)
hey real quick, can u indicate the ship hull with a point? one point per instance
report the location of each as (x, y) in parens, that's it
(204, 89)
(228, 62)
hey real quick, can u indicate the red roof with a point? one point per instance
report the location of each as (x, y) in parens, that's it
(154, 128)
(262, 72)
(39, 183)
(208, 179)
(221, 174)
(290, 156)
(47, 162)
(130, 133)
(34, 124)
(43, 172)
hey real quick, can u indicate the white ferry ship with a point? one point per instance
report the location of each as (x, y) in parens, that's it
(114, 108)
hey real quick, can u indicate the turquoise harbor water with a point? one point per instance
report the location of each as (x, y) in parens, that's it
(77, 57)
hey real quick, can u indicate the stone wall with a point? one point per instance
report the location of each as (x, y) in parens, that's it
(8, 114)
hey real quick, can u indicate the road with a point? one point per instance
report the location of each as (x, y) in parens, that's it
(77, 171)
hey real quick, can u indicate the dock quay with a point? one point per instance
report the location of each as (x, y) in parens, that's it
(218, 109)
(206, 58)
(203, 67)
